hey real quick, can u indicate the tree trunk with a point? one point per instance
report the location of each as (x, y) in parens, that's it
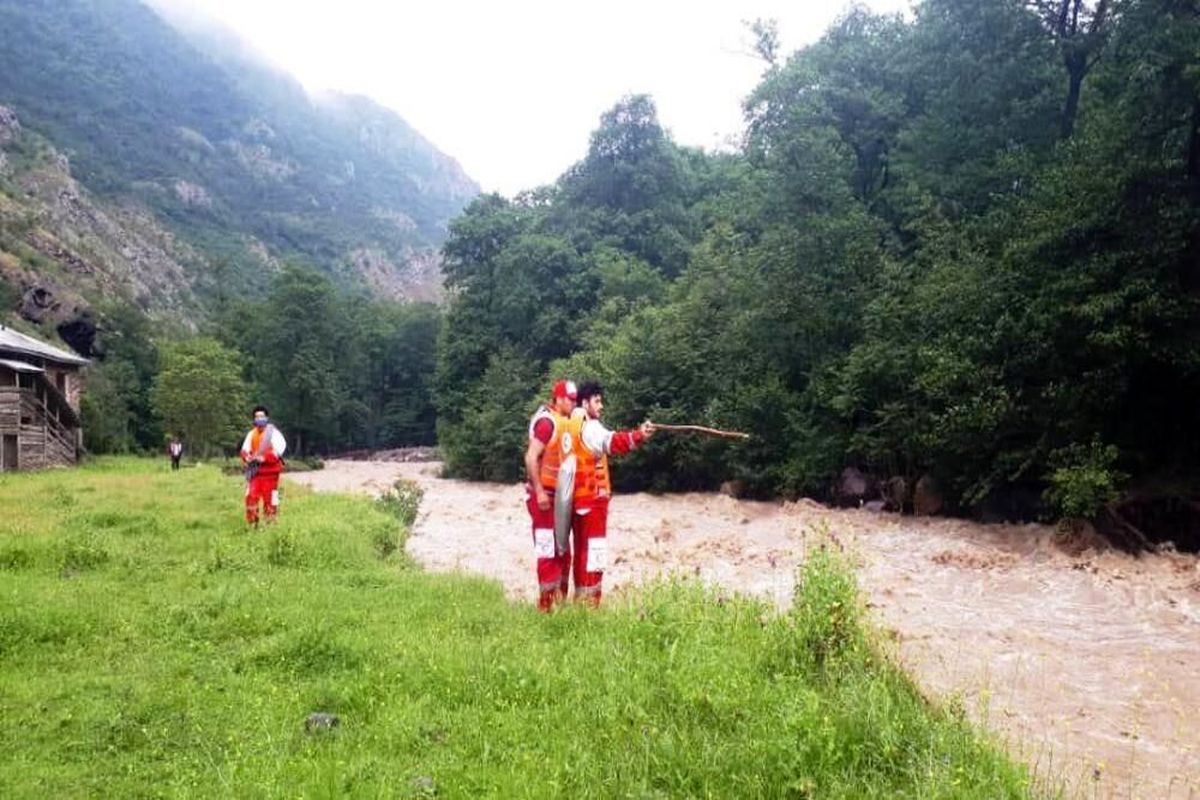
(1076, 63)
(1079, 50)
(1193, 162)
(1191, 259)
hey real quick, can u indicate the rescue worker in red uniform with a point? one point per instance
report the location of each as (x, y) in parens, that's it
(549, 441)
(262, 455)
(593, 489)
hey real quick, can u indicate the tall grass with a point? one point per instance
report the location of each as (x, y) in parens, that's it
(150, 646)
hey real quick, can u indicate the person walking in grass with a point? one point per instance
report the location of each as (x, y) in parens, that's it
(549, 441)
(262, 455)
(593, 489)
(175, 450)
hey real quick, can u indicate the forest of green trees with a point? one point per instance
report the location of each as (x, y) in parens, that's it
(339, 371)
(963, 244)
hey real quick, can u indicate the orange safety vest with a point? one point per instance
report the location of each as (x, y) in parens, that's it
(592, 482)
(256, 441)
(272, 465)
(561, 444)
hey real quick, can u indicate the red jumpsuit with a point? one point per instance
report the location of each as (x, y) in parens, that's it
(264, 486)
(593, 491)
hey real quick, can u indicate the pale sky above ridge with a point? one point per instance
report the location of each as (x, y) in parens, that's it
(512, 90)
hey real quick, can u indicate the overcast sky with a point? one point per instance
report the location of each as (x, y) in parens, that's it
(512, 90)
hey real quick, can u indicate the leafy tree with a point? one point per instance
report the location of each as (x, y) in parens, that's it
(471, 258)
(199, 394)
(984, 102)
(964, 245)
(1083, 479)
(533, 276)
(390, 368)
(488, 440)
(295, 336)
(1080, 30)
(632, 190)
(110, 423)
(339, 371)
(118, 415)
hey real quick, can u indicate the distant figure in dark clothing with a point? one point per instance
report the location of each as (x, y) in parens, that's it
(175, 450)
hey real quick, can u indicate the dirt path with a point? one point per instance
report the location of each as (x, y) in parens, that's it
(1088, 665)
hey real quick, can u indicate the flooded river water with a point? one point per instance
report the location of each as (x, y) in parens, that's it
(1086, 662)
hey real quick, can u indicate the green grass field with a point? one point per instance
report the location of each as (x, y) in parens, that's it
(150, 646)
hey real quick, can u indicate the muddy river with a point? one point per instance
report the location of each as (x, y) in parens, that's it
(1085, 662)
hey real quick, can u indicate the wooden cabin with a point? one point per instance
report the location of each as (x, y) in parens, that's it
(40, 387)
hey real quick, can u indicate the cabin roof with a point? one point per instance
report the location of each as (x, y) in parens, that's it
(13, 342)
(19, 366)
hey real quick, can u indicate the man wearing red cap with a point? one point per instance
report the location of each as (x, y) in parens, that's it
(593, 488)
(550, 440)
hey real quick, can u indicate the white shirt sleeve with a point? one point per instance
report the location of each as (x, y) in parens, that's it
(596, 437)
(246, 444)
(278, 443)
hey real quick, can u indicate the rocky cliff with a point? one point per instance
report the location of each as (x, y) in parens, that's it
(62, 250)
(140, 164)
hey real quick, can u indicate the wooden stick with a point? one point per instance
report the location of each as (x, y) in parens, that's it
(658, 426)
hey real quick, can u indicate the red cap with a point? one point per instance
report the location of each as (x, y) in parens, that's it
(564, 389)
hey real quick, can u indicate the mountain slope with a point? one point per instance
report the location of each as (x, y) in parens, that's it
(63, 249)
(229, 155)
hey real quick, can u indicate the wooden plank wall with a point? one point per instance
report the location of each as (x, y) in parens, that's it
(10, 409)
(41, 442)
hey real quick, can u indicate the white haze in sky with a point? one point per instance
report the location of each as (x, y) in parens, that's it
(512, 90)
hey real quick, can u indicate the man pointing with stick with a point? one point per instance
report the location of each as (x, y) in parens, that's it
(593, 489)
(566, 463)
